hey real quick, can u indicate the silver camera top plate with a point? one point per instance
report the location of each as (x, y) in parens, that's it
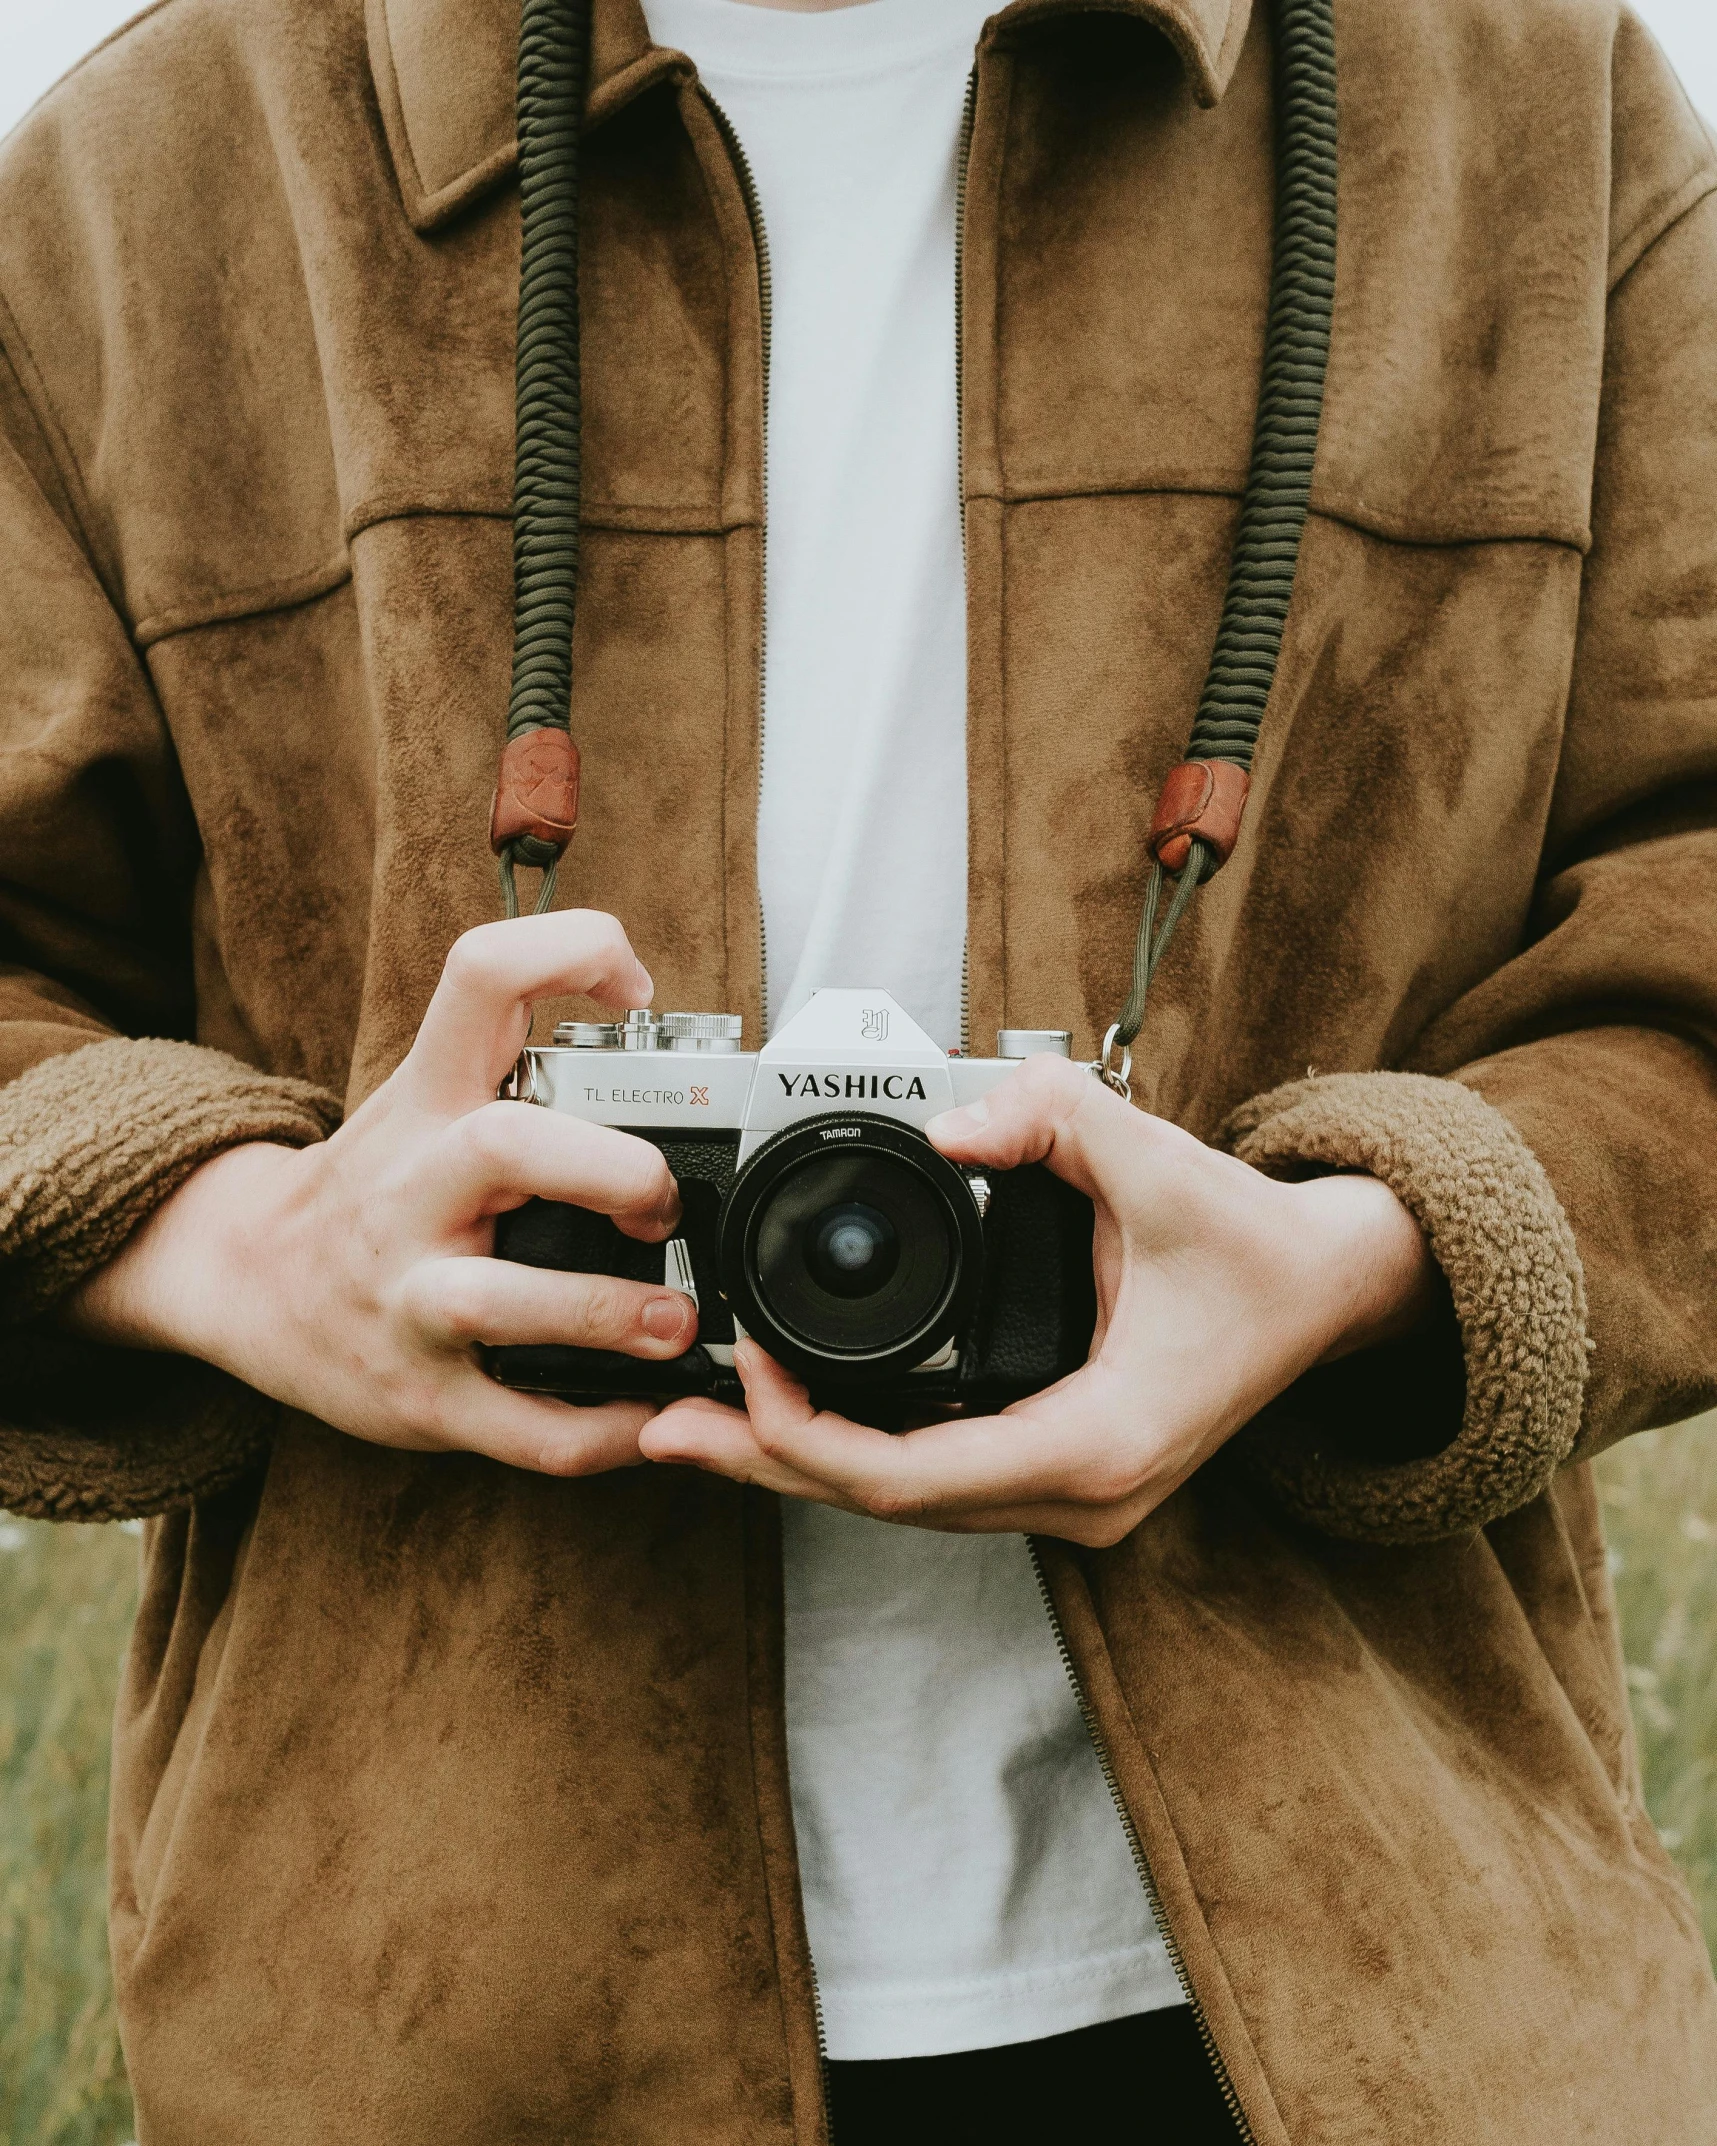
(846, 1050)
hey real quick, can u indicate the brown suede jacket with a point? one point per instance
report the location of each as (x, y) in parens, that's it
(450, 1803)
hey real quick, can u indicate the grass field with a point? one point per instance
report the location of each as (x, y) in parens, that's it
(66, 1598)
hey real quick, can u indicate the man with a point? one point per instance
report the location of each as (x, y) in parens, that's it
(484, 1770)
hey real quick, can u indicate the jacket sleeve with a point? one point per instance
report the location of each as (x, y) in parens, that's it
(1556, 1134)
(105, 1105)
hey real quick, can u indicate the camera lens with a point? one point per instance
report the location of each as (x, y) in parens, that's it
(852, 1250)
(849, 1244)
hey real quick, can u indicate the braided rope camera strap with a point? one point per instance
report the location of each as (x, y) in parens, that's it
(1198, 813)
(536, 798)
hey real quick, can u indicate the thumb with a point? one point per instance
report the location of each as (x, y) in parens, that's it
(1050, 1111)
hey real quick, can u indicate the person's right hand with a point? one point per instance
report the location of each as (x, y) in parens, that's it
(354, 1280)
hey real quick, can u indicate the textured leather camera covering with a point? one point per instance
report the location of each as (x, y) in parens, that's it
(1033, 1322)
(547, 1233)
(1039, 1304)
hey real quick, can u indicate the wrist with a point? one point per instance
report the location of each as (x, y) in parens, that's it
(180, 1281)
(1376, 1276)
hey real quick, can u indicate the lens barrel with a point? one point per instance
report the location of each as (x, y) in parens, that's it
(850, 1248)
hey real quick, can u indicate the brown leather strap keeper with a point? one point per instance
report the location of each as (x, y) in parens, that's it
(1206, 798)
(537, 793)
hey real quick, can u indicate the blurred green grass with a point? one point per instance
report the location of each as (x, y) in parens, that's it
(66, 1601)
(1660, 1513)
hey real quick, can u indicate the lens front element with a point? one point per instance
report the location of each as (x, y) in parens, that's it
(850, 1246)
(853, 1250)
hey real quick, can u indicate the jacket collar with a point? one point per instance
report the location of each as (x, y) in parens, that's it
(444, 73)
(446, 78)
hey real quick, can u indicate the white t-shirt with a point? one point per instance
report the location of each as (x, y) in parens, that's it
(967, 1881)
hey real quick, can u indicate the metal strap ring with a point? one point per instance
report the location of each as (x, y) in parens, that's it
(1119, 1078)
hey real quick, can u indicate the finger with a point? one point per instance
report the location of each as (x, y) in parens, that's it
(474, 1415)
(703, 1434)
(727, 1442)
(458, 1303)
(1091, 1527)
(762, 1443)
(1052, 1112)
(480, 1015)
(1095, 1524)
(733, 1441)
(496, 1158)
(1054, 1449)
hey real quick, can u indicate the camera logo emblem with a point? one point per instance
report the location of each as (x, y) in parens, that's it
(873, 1024)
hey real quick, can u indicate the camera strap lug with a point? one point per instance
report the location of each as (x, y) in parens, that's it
(520, 1085)
(1113, 1075)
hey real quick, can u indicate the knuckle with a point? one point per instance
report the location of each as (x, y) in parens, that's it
(490, 1135)
(894, 1501)
(471, 958)
(625, 1173)
(457, 1304)
(1073, 1091)
(593, 941)
(658, 1189)
(1044, 1072)
(1049, 1092)
(1108, 1480)
(641, 1171)
(773, 1438)
(604, 1309)
(651, 1198)
(607, 934)
(558, 1456)
(1098, 1468)
(578, 1442)
(1050, 1079)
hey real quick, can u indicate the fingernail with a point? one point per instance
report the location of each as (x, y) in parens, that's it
(664, 1318)
(956, 1124)
(649, 991)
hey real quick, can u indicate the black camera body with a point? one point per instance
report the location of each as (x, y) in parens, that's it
(817, 1218)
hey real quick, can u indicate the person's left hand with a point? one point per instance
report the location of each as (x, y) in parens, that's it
(1216, 1286)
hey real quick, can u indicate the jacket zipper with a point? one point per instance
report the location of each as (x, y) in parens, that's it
(760, 247)
(962, 163)
(765, 294)
(1141, 1862)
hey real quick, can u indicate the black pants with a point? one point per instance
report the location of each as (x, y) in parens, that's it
(1145, 2080)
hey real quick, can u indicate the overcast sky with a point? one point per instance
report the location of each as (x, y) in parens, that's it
(39, 40)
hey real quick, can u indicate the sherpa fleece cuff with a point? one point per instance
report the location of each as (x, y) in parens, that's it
(92, 1142)
(1497, 1230)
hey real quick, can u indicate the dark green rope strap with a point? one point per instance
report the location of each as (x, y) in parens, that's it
(554, 64)
(554, 57)
(1284, 448)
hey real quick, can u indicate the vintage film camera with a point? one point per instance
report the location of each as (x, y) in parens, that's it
(818, 1219)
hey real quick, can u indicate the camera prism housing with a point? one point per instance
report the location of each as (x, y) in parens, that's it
(817, 1218)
